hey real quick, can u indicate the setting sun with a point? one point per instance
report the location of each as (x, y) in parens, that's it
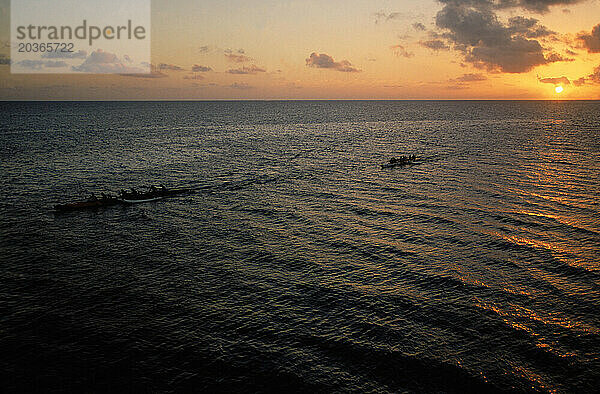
(559, 89)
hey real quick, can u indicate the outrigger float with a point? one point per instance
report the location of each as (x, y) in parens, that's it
(124, 198)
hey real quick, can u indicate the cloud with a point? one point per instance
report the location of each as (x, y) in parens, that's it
(101, 62)
(436, 45)
(456, 87)
(325, 61)
(240, 86)
(473, 28)
(237, 57)
(470, 78)
(418, 26)
(81, 54)
(4, 60)
(555, 81)
(194, 76)
(399, 50)
(382, 16)
(152, 75)
(41, 64)
(169, 67)
(246, 70)
(205, 49)
(200, 69)
(593, 78)
(392, 16)
(232, 57)
(591, 41)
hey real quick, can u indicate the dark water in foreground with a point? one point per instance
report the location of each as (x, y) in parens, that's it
(300, 265)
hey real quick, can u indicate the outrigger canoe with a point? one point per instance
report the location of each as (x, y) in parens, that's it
(126, 199)
(399, 164)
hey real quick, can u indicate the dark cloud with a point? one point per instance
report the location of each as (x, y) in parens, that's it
(528, 27)
(436, 45)
(399, 50)
(474, 29)
(591, 41)
(204, 49)
(325, 61)
(470, 78)
(418, 26)
(555, 80)
(253, 69)
(200, 69)
(4, 60)
(169, 67)
(81, 54)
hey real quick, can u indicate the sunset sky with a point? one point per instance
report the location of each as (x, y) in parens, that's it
(351, 49)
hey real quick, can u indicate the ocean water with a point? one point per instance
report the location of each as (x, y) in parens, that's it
(299, 265)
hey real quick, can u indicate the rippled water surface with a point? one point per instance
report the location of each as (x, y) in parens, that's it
(299, 264)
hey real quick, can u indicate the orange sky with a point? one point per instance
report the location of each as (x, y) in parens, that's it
(308, 49)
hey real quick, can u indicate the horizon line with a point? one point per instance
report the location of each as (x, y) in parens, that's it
(273, 100)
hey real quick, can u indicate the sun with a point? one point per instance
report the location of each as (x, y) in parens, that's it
(559, 89)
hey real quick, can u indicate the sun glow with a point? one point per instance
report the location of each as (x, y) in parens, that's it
(559, 89)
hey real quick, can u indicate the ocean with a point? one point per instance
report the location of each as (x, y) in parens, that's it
(299, 264)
